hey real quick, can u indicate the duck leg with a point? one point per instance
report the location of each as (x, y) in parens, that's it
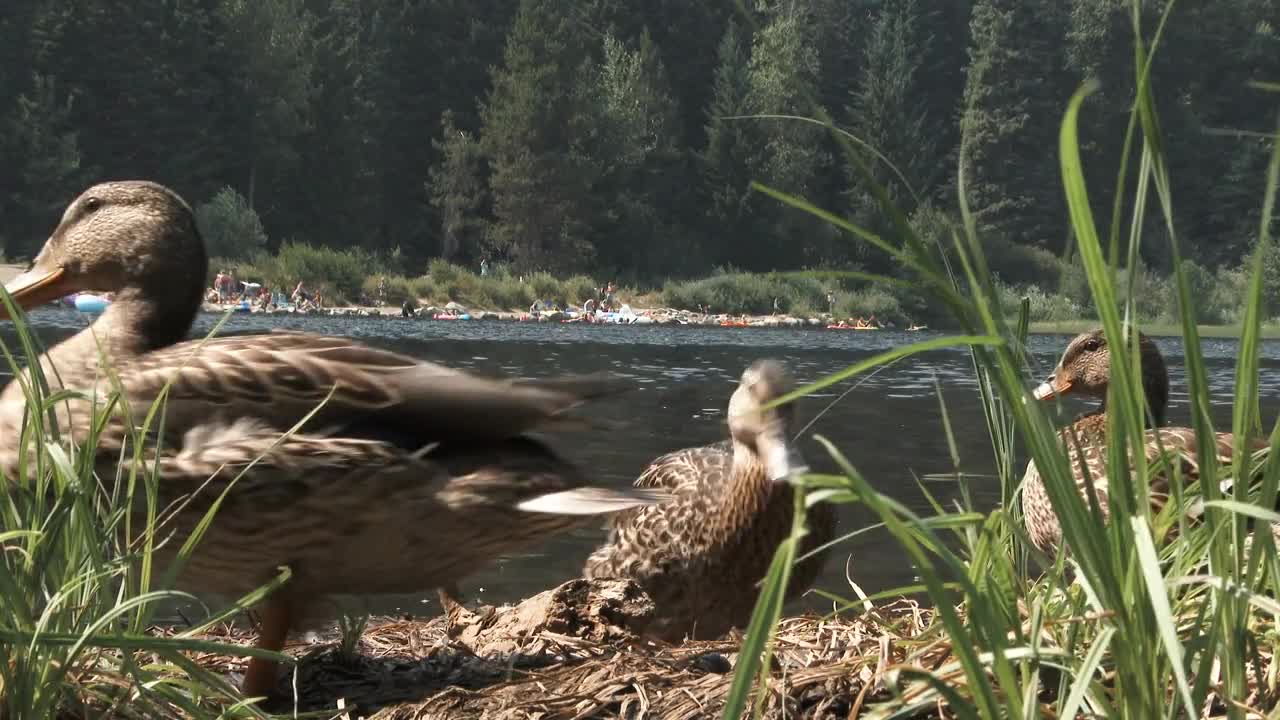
(277, 615)
(456, 616)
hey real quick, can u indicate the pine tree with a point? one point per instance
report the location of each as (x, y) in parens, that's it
(338, 148)
(539, 184)
(680, 30)
(782, 79)
(46, 173)
(274, 45)
(724, 161)
(639, 164)
(458, 190)
(885, 112)
(157, 101)
(1015, 92)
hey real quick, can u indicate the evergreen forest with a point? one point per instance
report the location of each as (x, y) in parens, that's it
(620, 138)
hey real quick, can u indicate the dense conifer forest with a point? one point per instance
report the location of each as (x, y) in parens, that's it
(610, 137)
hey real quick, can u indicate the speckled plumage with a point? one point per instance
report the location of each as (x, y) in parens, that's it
(410, 475)
(1085, 369)
(700, 555)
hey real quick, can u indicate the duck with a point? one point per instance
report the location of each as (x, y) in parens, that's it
(1085, 370)
(700, 554)
(400, 475)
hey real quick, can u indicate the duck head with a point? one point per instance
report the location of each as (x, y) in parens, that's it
(1085, 369)
(765, 431)
(136, 239)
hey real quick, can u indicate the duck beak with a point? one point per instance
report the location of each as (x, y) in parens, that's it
(1052, 388)
(36, 286)
(781, 459)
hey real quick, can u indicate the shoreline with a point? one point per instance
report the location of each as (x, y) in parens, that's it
(669, 317)
(640, 316)
(578, 650)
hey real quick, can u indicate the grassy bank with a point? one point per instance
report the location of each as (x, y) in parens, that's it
(357, 278)
(78, 586)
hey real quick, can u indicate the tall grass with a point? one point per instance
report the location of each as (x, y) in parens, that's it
(1131, 623)
(78, 581)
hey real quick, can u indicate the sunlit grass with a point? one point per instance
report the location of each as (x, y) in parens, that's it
(78, 584)
(1130, 623)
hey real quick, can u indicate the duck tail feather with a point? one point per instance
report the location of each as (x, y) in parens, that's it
(578, 423)
(583, 387)
(592, 501)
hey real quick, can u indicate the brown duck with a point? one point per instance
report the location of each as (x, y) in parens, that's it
(701, 555)
(409, 477)
(1085, 369)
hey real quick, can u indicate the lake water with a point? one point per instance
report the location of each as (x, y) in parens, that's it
(888, 423)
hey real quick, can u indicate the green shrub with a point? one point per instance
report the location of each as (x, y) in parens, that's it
(506, 293)
(1042, 306)
(340, 272)
(395, 290)
(1074, 284)
(422, 288)
(872, 300)
(545, 287)
(1019, 264)
(231, 228)
(1227, 296)
(1153, 296)
(1271, 280)
(443, 273)
(578, 289)
(1201, 282)
(745, 293)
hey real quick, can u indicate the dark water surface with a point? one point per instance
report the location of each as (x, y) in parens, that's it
(888, 424)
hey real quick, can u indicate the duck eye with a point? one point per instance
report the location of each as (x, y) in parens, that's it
(91, 204)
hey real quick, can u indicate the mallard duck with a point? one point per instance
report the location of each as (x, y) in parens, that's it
(701, 554)
(409, 476)
(1085, 369)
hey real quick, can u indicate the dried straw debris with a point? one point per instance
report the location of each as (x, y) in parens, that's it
(576, 652)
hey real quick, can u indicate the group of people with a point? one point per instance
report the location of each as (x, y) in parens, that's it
(864, 323)
(604, 299)
(227, 290)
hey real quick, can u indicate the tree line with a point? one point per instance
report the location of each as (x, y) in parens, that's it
(621, 138)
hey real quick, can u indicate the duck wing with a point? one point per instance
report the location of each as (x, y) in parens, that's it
(708, 465)
(322, 504)
(278, 378)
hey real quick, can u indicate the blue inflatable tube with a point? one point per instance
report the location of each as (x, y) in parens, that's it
(87, 303)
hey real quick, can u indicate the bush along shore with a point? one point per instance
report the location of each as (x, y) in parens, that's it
(812, 299)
